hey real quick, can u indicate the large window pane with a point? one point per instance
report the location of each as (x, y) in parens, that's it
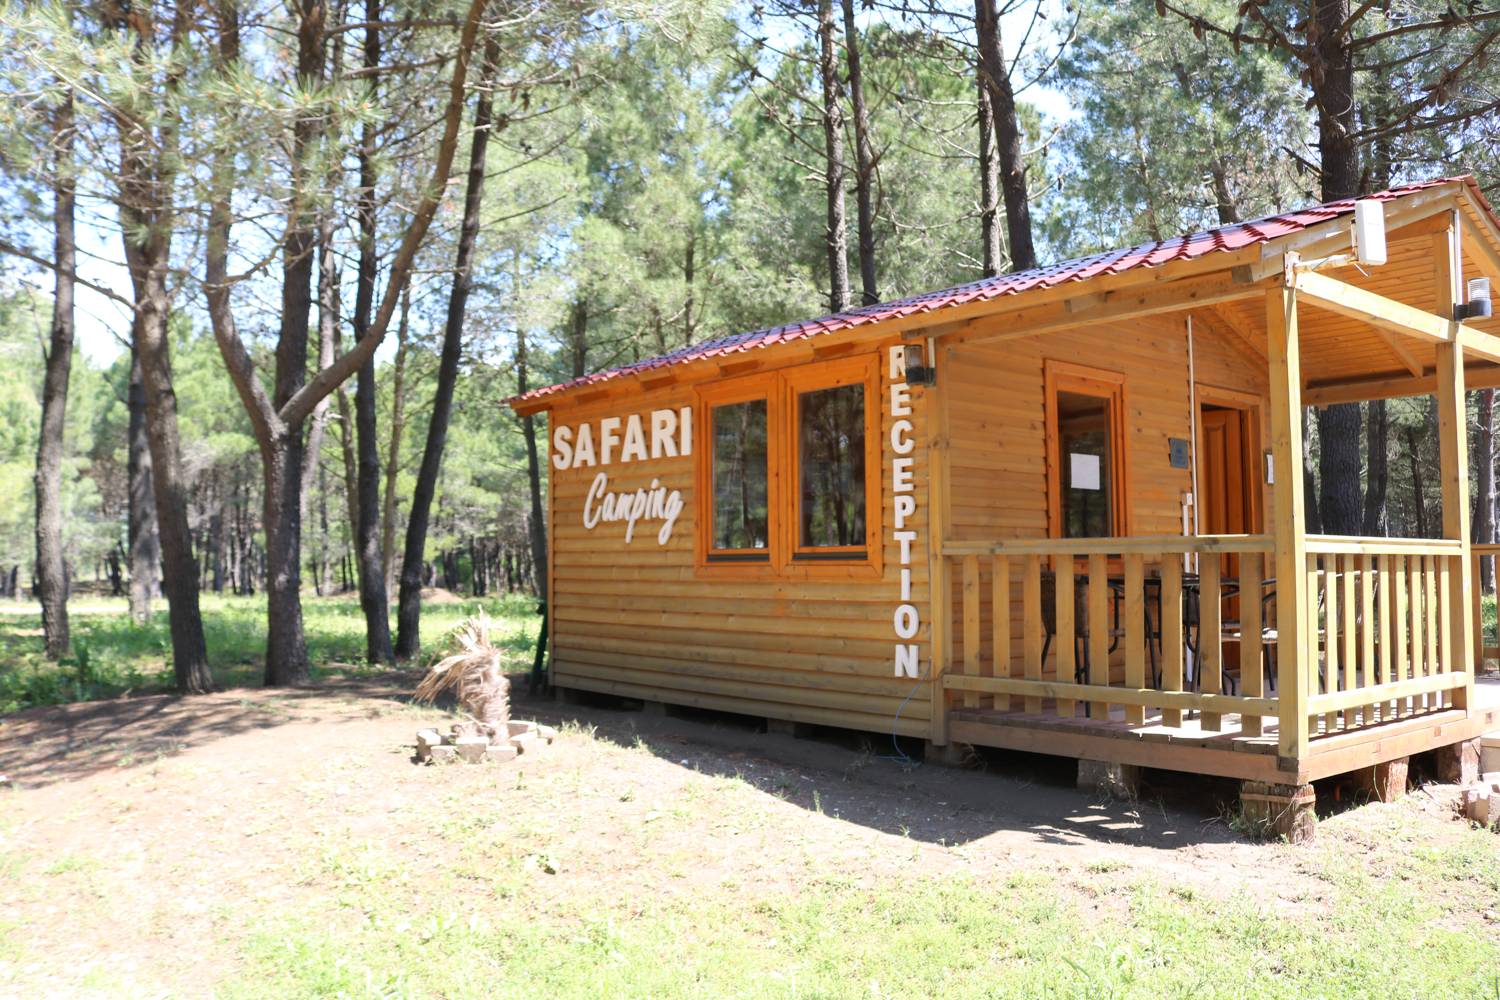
(740, 502)
(831, 449)
(1086, 476)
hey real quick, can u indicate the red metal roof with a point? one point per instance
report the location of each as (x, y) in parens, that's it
(1189, 247)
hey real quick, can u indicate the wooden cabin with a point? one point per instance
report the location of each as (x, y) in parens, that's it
(1058, 511)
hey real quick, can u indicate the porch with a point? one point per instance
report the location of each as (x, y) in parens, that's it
(1264, 653)
(1191, 672)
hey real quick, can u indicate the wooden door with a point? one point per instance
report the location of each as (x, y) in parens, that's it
(1225, 509)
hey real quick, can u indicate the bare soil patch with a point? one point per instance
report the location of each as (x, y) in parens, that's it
(142, 838)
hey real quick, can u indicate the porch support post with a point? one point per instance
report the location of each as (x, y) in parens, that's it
(1283, 356)
(940, 573)
(1453, 444)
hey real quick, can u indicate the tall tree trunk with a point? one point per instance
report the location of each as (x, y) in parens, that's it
(409, 600)
(393, 455)
(51, 574)
(145, 543)
(1332, 79)
(282, 453)
(864, 163)
(836, 237)
(1377, 470)
(1338, 486)
(989, 186)
(1311, 513)
(689, 325)
(536, 526)
(169, 485)
(995, 75)
(1418, 488)
(578, 337)
(278, 420)
(1228, 212)
(372, 596)
(328, 323)
(1484, 494)
(146, 171)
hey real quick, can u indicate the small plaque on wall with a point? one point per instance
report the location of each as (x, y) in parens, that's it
(1180, 454)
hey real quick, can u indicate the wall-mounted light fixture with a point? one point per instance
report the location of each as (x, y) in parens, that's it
(1478, 306)
(918, 373)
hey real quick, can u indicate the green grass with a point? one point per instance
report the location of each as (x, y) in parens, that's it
(1030, 936)
(1488, 617)
(112, 654)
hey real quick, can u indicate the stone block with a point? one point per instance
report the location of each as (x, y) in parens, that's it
(546, 733)
(525, 742)
(1274, 811)
(500, 753)
(443, 754)
(426, 740)
(1481, 809)
(472, 748)
(516, 727)
(1489, 752)
(1105, 778)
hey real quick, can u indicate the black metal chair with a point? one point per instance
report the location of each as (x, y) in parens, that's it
(1082, 653)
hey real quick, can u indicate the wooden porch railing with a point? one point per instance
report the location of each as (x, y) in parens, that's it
(1382, 636)
(1098, 592)
(1484, 647)
(1384, 617)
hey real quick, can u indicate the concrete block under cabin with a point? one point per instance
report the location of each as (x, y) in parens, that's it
(1059, 511)
(1489, 752)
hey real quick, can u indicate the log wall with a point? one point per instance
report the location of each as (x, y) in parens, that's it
(643, 621)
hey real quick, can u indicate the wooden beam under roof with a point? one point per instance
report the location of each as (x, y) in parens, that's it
(1393, 385)
(1377, 310)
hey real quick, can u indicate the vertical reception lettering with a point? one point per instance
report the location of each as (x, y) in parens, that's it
(907, 620)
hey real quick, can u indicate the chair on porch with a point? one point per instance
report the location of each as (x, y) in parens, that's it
(1082, 654)
(1233, 630)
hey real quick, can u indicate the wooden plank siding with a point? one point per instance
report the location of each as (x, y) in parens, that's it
(643, 621)
(997, 426)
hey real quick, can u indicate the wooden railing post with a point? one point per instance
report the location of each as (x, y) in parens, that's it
(971, 620)
(940, 583)
(1453, 445)
(1284, 361)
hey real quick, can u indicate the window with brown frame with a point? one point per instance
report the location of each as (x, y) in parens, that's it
(1086, 468)
(737, 476)
(790, 475)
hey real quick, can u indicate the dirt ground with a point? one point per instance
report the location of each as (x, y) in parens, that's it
(140, 836)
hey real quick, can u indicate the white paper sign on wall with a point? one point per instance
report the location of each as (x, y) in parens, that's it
(1083, 471)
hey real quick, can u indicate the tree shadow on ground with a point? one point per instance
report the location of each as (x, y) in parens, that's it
(876, 782)
(61, 743)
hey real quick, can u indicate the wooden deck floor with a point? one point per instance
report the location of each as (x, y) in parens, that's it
(1229, 752)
